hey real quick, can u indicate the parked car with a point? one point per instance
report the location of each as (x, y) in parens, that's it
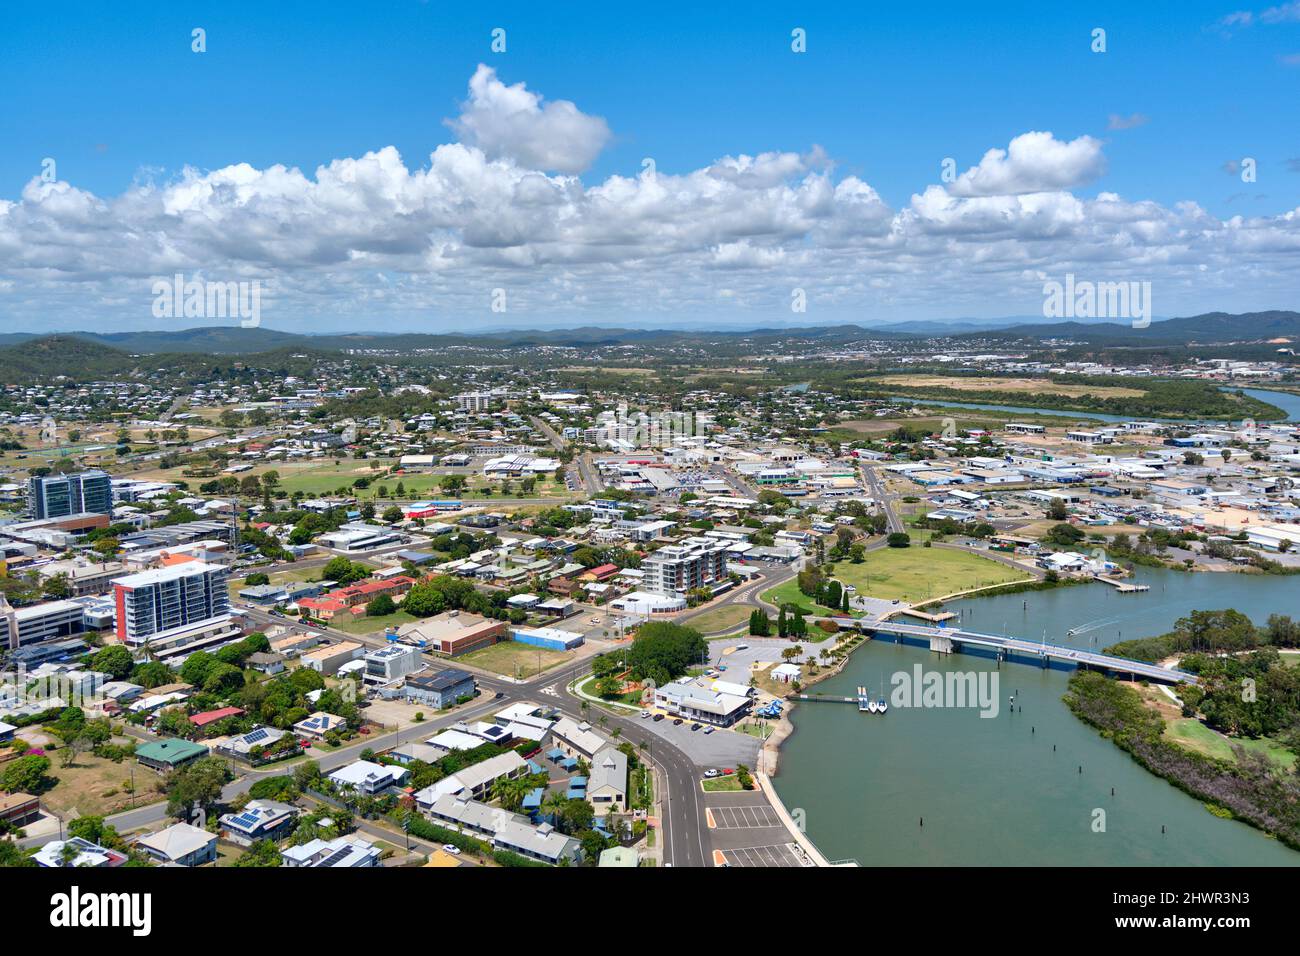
(708, 730)
(658, 717)
(711, 773)
(695, 727)
(645, 713)
(677, 721)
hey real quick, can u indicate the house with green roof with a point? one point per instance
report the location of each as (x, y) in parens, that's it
(166, 755)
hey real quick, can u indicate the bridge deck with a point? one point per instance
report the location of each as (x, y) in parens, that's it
(1055, 651)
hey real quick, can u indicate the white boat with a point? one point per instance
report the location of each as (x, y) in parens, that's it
(873, 707)
(881, 706)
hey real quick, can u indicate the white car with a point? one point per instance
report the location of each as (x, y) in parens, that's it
(742, 647)
(710, 774)
(645, 713)
(451, 848)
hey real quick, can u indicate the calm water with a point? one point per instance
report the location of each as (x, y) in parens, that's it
(1008, 790)
(1283, 400)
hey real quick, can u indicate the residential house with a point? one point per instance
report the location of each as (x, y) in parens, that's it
(180, 844)
(259, 820)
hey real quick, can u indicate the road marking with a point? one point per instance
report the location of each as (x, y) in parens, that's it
(708, 816)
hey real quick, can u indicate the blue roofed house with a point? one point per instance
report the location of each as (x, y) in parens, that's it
(259, 820)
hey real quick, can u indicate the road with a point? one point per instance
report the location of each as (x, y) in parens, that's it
(883, 498)
(682, 824)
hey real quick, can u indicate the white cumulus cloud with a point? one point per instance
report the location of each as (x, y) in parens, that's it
(512, 122)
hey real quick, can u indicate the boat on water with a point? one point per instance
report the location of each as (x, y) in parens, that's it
(873, 707)
(881, 706)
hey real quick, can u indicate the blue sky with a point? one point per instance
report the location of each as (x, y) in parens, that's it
(113, 93)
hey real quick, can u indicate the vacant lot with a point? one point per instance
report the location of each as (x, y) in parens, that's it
(98, 787)
(512, 659)
(1029, 386)
(720, 618)
(912, 575)
(365, 624)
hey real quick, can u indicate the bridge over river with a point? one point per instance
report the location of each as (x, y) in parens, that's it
(949, 639)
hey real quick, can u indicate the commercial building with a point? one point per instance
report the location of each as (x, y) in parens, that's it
(50, 621)
(454, 632)
(387, 664)
(57, 496)
(439, 690)
(694, 702)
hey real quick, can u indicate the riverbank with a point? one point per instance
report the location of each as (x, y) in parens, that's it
(1247, 790)
(1020, 769)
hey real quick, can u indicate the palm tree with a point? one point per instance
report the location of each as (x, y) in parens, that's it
(552, 803)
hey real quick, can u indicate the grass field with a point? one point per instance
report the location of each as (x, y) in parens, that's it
(512, 659)
(371, 625)
(1194, 735)
(910, 575)
(720, 618)
(727, 784)
(1028, 386)
(324, 477)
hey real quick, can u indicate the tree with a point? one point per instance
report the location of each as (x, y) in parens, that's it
(898, 539)
(114, 660)
(381, 606)
(1057, 510)
(393, 514)
(198, 783)
(27, 775)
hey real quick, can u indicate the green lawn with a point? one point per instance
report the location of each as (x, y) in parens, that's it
(1194, 735)
(720, 618)
(513, 659)
(727, 784)
(365, 624)
(911, 575)
(789, 593)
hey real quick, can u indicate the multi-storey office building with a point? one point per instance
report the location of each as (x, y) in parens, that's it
(56, 496)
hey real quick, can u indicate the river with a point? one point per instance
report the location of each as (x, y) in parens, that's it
(1008, 790)
(1286, 401)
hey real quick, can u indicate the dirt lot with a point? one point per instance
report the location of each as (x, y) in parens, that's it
(1036, 386)
(96, 786)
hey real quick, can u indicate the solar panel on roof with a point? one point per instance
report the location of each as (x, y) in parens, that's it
(337, 857)
(254, 736)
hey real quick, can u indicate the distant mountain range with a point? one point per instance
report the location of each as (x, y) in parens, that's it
(1214, 328)
(26, 356)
